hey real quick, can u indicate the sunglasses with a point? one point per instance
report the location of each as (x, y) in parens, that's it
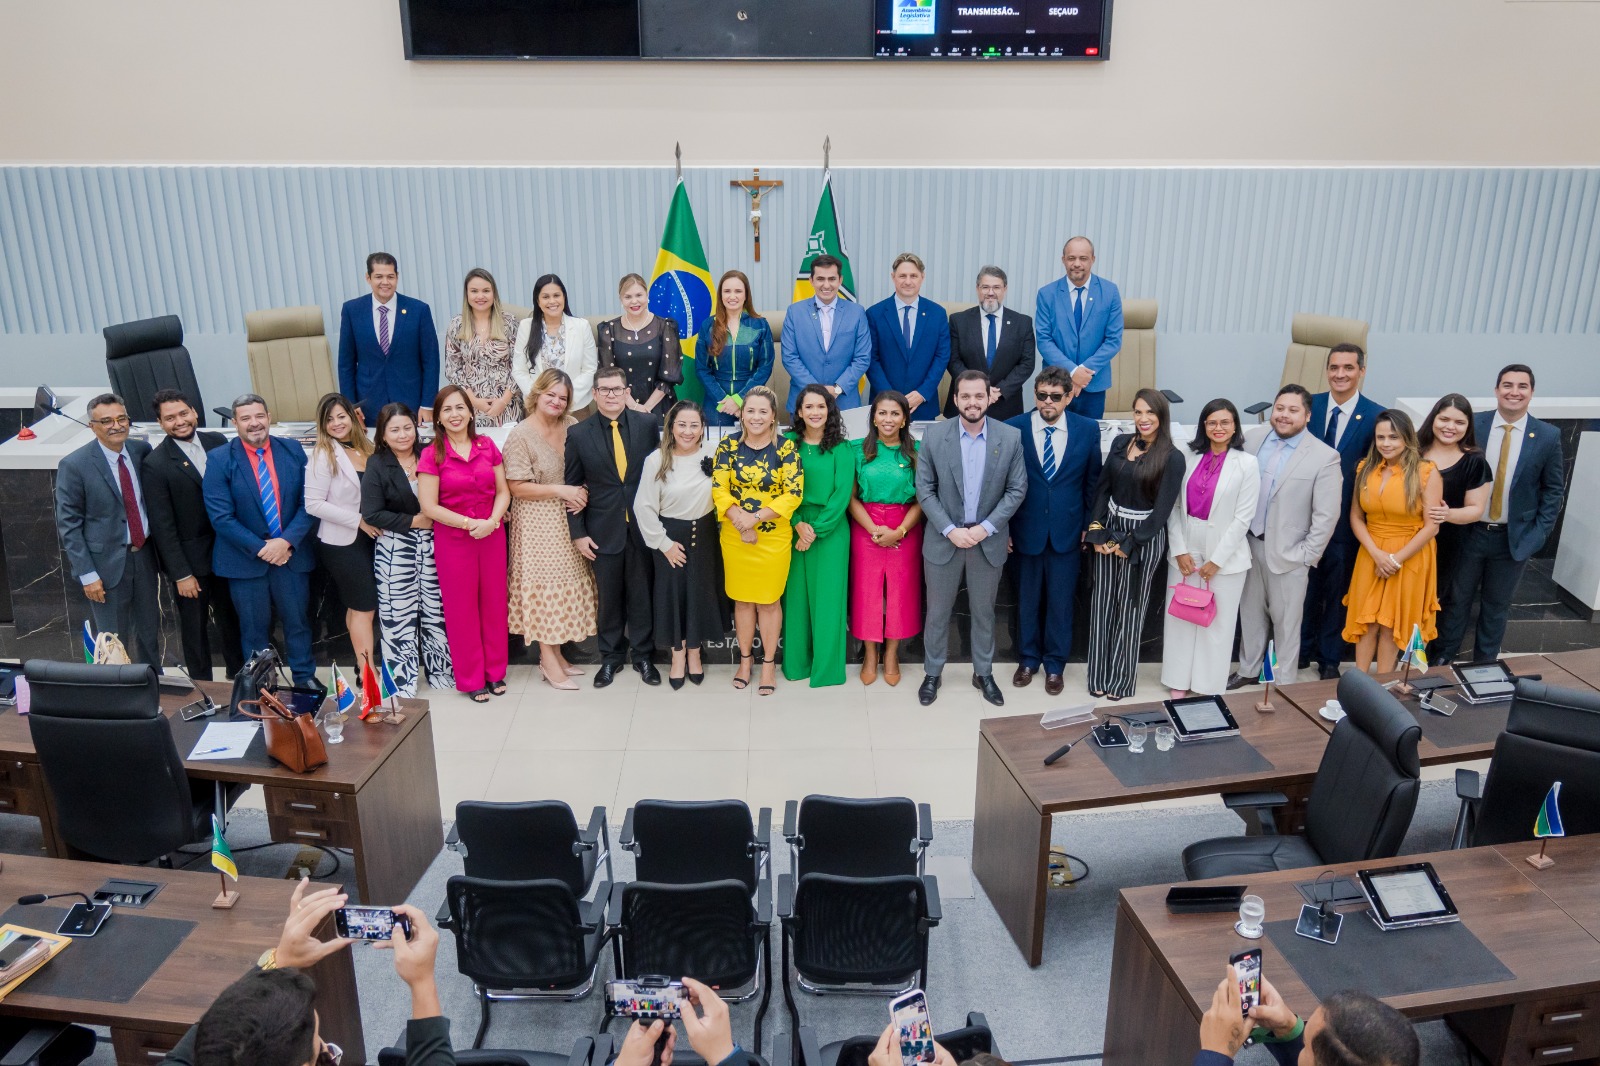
(330, 1055)
(1050, 397)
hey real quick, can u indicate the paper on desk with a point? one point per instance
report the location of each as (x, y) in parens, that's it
(224, 740)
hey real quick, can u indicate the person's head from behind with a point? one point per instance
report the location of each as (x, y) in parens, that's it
(1347, 364)
(1354, 1029)
(383, 274)
(265, 1018)
(1291, 410)
(252, 419)
(827, 274)
(611, 390)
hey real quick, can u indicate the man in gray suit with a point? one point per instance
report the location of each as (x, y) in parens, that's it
(970, 481)
(1296, 512)
(105, 530)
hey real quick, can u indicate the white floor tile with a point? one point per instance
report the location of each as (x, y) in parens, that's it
(777, 776)
(680, 775)
(947, 779)
(581, 779)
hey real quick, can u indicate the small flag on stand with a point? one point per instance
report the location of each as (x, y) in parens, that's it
(88, 643)
(370, 696)
(386, 685)
(222, 862)
(344, 698)
(1416, 651)
(1547, 825)
(1269, 665)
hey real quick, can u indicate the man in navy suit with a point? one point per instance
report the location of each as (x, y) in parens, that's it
(255, 496)
(826, 340)
(1078, 321)
(1343, 419)
(1061, 453)
(388, 348)
(910, 341)
(1529, 487)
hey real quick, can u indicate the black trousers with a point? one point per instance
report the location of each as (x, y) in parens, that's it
(1484, 574)
(623, 582)
(1322, 624)
(194, 627)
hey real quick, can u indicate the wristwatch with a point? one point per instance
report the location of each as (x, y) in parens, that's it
(268, 959)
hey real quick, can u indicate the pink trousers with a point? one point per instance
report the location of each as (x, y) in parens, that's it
(885, 583)
(472, 583)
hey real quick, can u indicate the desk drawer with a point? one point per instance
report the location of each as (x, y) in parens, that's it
(136, 1047)
(1557, 1030)
(21, 788)
(311, 816)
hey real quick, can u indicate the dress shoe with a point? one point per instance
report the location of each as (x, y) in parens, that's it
(675, 682)
(1053, 684)
(1023, 677)
(891, 671)
(1328, 672)
(1239, 681)
(869, 664)
(648, 671)
(991, 691)
(929, 690)
(605, 675)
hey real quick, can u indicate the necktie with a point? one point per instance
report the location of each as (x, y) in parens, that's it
(619, 451)
(1497, 501)
(130, 503)
(383, 328)
(1330, 436)
(1077, 309)
(269, 498)
(1049, 460)
(988, 345)
(905, 324)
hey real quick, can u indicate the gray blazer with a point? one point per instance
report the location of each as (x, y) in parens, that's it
(89, 515)
(939, 483)
(1305, 502)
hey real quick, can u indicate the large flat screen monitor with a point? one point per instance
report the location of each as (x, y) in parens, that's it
(520, 29)
(976, 30)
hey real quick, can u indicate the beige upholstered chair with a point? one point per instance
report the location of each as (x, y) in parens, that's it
(291, 366)
(1134, 368)
(779, 382)
(1310, 338)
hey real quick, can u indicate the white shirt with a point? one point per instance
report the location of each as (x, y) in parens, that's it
(393, 306)
(1491, 452)
(900, 316)
(113, 460)
(983, 326)
(685, 494)
(1347, 411)
(825, 319)
(1058, 439)
(194, 451)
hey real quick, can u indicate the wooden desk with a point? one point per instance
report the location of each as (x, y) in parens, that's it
(1017, 794)
(378, 794)
(221, 948)
(1165, 967)
(1311, 695)
(1584, 665)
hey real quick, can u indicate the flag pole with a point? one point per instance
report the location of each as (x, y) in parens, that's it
(1266, 706)
(1540, 861)
(1404, 687)
(677, 154)
(827, 149)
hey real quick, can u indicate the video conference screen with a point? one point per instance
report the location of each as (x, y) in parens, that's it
(972, 30)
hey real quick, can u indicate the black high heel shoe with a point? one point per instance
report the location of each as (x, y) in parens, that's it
(694, 678)
(766, 690)
(743, 682)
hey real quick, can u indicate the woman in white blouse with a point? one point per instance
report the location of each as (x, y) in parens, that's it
(552, 338)
(675, 516)
(333, 494)
(1206, 543)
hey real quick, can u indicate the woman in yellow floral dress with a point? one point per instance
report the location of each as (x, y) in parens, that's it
(756, 485)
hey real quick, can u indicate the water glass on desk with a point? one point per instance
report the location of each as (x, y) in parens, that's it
(1137, 732)
(1166, 736)
(1252, 912)
(333, 724)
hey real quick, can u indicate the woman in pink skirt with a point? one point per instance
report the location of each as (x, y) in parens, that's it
(886, 539)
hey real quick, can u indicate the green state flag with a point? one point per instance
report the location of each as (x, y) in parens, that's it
(680, 286)
(824, 238)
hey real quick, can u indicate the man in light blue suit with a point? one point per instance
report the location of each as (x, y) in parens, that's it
(826, 340)
(910, 341)
(1078, 323)
(388, 348)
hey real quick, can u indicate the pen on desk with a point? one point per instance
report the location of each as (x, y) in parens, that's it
(212, 751)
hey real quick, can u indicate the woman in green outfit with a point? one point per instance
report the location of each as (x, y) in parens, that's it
(816, 599)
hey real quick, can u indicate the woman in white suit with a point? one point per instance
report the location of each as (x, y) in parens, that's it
(1206, 542)
(553, 338)
(333, 494)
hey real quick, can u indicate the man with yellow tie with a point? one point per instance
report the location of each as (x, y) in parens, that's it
(605, 453)
(1524, 502)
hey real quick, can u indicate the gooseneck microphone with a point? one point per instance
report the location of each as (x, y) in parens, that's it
(58, 411)
(40, 897)
(1050, 760)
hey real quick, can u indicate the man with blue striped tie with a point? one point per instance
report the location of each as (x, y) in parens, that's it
(255, 495)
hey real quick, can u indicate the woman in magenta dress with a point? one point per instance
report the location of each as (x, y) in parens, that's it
(886, 539)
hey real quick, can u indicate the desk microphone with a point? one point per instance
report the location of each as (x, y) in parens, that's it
(53, 409)
(83, 920)
(1527, 677)
(40, 897)
(1050, 760)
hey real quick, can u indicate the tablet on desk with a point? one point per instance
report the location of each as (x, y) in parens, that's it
(1201, 718)
(1405, 896)
(1486, 681)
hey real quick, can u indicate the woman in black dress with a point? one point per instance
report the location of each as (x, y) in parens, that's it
(1139, 484)
(645, 346)
(1448, 441)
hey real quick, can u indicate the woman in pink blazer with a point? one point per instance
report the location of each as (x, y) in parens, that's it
(333, 494)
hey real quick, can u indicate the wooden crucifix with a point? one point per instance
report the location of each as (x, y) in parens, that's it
(757, 189)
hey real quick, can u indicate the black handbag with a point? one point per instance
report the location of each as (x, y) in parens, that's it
(260, 674)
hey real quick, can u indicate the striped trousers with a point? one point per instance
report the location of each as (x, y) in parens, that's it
(1116, 611)
(410, 610)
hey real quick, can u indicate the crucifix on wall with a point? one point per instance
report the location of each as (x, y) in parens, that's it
(756, 189)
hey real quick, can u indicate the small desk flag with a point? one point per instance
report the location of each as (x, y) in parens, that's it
(386, 687)
(1416, 652)
(221, 857)
(370, 696)
(88, 643)
(1548, 824)
(1269, 665)
(344, 698)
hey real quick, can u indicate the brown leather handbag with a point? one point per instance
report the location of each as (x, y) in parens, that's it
(292, 739)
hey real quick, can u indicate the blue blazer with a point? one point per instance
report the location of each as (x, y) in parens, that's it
(233, 500)
(843, 363)
(917, 369)
(1538, 485)
(1354, 443)
(1096, 344)
(409, 374)
(1055, 512)
(739, 367)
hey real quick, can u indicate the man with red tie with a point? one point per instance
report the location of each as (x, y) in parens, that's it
(105, 530)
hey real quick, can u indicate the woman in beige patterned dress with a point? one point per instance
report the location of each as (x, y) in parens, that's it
(477, 352)
(552, 593)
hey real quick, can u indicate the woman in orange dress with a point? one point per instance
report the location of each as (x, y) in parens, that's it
(1395, 584)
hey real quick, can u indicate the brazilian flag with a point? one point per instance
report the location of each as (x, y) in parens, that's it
(824, 238)
(680, 287)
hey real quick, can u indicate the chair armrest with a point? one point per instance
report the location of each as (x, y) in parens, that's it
(935, 905)
(227, 415)
(791, 820)
(1171, 396)
(32, 1044)
(785, 896)
(589, 837)
(1235, 801)
(1257, 408)
(924, 824)
(781, 1050)
(764, 901)
(442, 918)
(806, 1041)
(764, 829)
(976, 1019)
(593, 911)
(626, 841)
(582, 1052)
(1469, 785)
(605, 1048)
(614, 904)
(452, 839)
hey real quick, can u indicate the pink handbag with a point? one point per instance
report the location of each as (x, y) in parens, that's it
(1194, 605)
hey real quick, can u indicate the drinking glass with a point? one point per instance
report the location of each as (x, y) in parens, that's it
(333, 725)
(1252, 911)
(1166, 736)
(1137, 732)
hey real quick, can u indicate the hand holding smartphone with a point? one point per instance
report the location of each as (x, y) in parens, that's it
(370, 923)
(913, 1028)
(1247, 967)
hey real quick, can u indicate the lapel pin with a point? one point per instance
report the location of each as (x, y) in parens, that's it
(402, 310)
